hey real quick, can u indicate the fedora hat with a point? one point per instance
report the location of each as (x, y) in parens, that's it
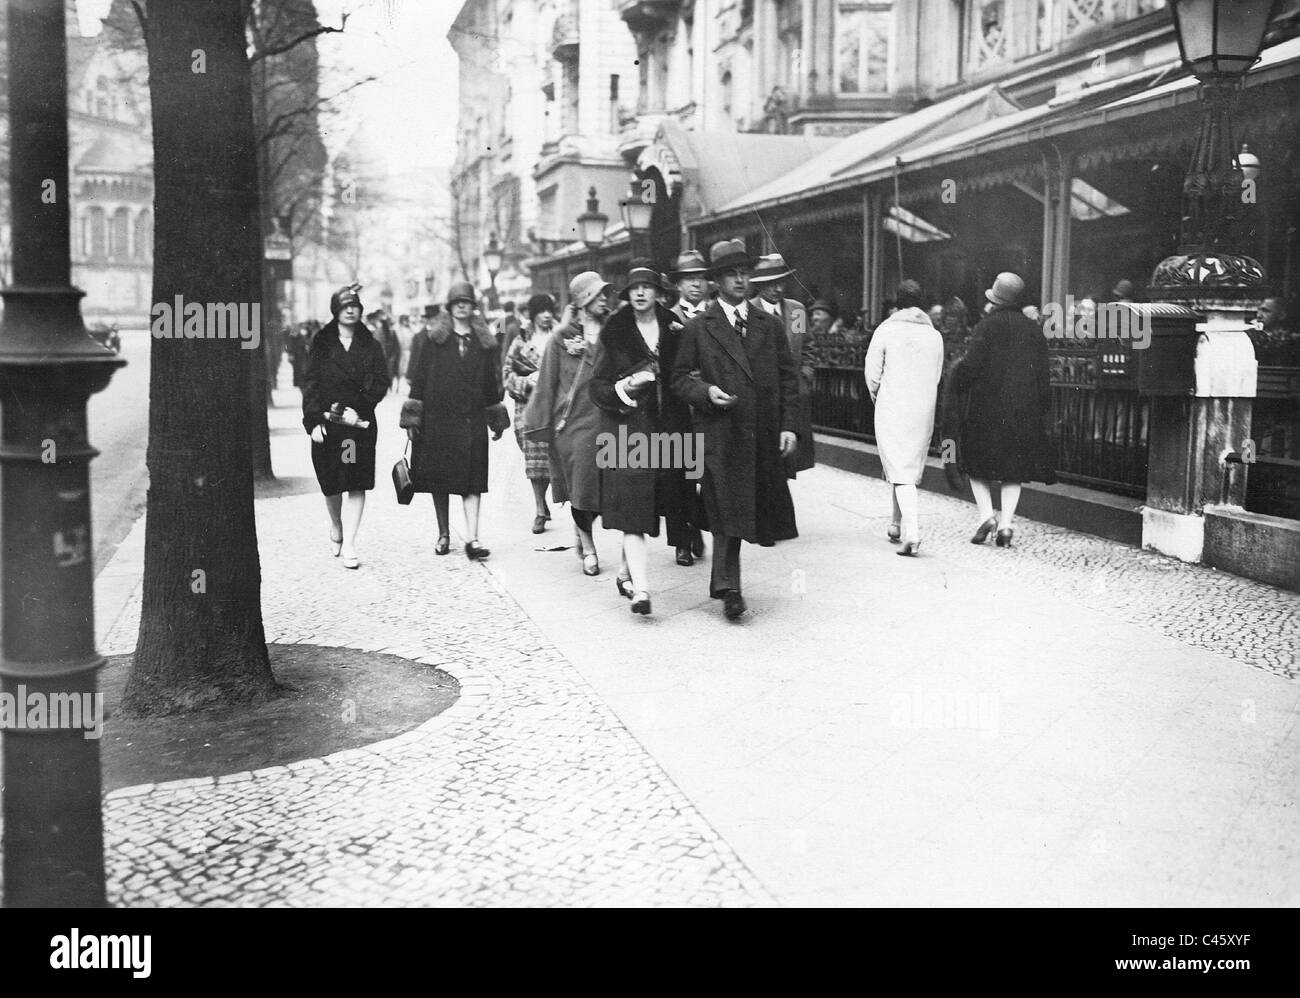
(690, 262)
(586, 286)
(771, 267)
(1007, 289)
(461, 291)
(727, 254)
(640, 273)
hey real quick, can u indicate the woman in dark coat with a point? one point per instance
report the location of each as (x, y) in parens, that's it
(1004, 375)
(560, 410)
(635, 345)
(456, 373)
(346, 378)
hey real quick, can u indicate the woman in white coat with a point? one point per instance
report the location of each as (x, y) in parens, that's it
(903, 366)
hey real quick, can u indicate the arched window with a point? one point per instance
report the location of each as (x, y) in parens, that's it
(97, 234)
(143, 235)
(119, 248)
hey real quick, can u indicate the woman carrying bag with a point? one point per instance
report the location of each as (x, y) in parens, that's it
(456, 376)
(346, 377)
(520, 373)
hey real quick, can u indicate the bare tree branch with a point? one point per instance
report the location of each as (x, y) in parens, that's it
(323, 29)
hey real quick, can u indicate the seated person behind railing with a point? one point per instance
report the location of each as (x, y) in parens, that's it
(1277, 343)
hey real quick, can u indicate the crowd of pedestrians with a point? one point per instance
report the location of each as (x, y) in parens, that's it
(712, 353)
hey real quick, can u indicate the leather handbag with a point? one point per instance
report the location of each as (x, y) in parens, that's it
(498, 419)
(402, 483)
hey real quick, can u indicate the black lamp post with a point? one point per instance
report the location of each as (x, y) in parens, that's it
(1219, 41)
(492, 260)
(591, 229)
(49, 368)
(637, 216)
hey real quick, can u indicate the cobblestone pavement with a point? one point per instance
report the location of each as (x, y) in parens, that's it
(1069, 721)
(528, 791)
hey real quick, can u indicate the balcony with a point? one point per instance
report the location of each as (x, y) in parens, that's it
(645, 17)
(564, 38)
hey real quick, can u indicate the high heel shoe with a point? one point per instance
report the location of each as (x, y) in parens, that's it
(641, 603)
(1004, 537)
(590, 564)
(985, 528)
(539, 523)
(909, 548)
(351, 561)
(337, 542)
(443, 545)
(684, 557)
(894, 533)
(619, 583)
(475, 551)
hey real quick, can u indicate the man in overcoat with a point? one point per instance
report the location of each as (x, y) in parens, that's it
(768, 282)
(734, 369)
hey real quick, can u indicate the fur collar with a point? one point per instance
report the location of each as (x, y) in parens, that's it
(440, 330)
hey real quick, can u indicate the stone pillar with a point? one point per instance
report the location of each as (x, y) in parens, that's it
(1191, 437)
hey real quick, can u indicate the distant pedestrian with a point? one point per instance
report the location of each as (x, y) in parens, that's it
(456, 375)
(636, 345)
(1004, 438)
(734, 369)
(903, 366)
(520, 373)
(346, 378)
(561, 411)
(508, 326)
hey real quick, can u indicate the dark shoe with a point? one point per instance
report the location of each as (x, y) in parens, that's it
(684, 557)
(697, 543)
(539, 524)
(1004, 538)
(985, 528)
(894, 533)
(733, 605)
(443, 545)
(624, 587)
(475, 552)
(641, 604)
(909, 548)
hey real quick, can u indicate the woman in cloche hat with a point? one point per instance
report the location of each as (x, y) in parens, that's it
(346, 377)
(456, 375)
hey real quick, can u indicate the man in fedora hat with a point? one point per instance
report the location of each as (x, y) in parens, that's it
(768, 283)
(689, 276)
(734, 369)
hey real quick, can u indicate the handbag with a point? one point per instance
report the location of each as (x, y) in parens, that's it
(498, 419)
(402, 483)
(409, 417)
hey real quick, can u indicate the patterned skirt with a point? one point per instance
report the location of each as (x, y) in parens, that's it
(537, 453)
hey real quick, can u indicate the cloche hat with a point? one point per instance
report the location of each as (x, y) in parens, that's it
(1007, 289)
(349, 294)
(461, 291)
(641, 272)
(586, 286)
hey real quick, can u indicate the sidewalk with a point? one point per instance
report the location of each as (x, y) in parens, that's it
(1066, 722)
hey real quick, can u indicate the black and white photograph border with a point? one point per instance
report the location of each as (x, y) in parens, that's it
(942, 274)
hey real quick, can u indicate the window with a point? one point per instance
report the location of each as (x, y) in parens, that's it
(988, 33)
(862, 33)
(118, 245)
(97, 234)
(143, 236)
(789, 39)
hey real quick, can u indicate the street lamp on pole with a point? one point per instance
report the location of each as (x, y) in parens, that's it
(637, 215)
(591, 228)
(49, 368)
(492, 260)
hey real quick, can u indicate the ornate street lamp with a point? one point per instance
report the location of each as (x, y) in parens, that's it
(591, 228)
(1219, 40)
(637, 215)
(492, 261)
(49, 367)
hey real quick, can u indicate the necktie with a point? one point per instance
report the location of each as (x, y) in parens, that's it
(740, 324)
(464, 343)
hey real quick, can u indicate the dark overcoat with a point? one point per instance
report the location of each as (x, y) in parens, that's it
(746, 492)
(633, 499)
(799, 338)
(357, 378)
(450, 453)
(1004, 377)
(561, 397)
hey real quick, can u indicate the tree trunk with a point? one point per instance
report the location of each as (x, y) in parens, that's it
(201, 639)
